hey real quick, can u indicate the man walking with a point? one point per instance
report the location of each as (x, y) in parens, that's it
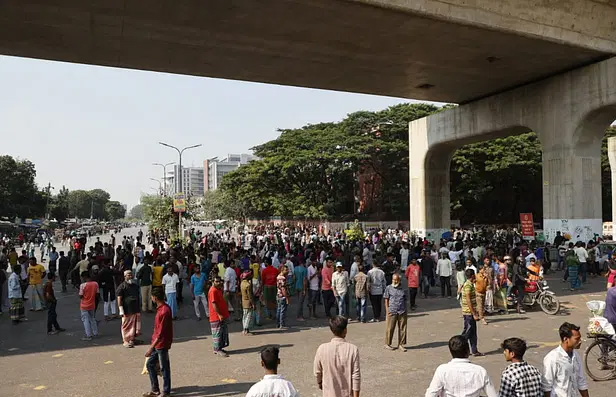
(412, 273)
(361, 293)
(519, 379)
(219, 315)
(313, 289)
(282, 297)
(301, 285)
(16, 301)
(128, 303)
(35, 279)
(171, 281)
(326, 285)
(395, 313)
(340, 286)
(469, 311)
(444, 271)
(376, 281)
(197, 284)
(88, 290)
(563, 375)
(64, 264)
(144, 275)
(460, 377)
(51, 301)
(272, 384)
(162, 337)
(336, 363)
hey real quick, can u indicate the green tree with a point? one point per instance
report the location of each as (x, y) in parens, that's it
(19, 195)
(99, 198)
(58, 206)
(114, 210)
(137, 212)
(79, 203)
(159, 213)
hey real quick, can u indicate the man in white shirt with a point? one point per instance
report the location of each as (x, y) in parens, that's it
(444, 271)
(170, 281)
(454, 256)
(272, 385)
(230, 288)
(313, 288)
(460, 377)
(562, 367)
(340, 286)
(404, 256)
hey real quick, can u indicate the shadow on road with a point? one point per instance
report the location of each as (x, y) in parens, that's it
(428, 345)
(500, 320)
(226, 389)
(255, 349)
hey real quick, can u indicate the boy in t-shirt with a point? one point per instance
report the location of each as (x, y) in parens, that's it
(50, 298)
(88, 291)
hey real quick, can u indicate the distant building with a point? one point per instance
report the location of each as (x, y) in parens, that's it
(192, 181)
(214, 169)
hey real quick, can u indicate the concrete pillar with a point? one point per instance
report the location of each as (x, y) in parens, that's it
(611, 154)
(429, 183)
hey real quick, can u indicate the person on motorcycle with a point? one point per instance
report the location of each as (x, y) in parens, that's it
(520, 278)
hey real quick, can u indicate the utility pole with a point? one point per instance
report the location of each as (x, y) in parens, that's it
(49, 187)
(181, 176)
(92, 209)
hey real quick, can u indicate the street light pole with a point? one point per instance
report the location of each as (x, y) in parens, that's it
(181, 176)
(49, 187)
(160, 185)
(164, 175)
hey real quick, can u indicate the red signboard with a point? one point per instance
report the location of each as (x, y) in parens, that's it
(528, 229)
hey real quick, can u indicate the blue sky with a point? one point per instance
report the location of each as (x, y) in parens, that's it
(89, 127)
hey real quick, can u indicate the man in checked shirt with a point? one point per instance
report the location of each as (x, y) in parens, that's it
(519, 379)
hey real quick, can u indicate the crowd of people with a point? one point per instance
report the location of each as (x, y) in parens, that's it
(252, 276)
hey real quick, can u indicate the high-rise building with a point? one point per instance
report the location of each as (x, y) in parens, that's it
(214, 169)
(192, 181)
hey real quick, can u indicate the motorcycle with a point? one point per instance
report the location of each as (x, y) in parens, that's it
(536, 292)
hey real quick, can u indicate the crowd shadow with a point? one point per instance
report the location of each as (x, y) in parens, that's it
(226, 389)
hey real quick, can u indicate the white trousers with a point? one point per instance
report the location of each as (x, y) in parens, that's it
(201, 298)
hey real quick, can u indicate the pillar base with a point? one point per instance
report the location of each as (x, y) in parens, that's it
(579, 229)
(431, 234)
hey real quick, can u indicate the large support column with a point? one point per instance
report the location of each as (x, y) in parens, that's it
(429, 183)
(611, 154)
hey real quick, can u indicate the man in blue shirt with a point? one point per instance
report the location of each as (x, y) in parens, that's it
(197, 283)
(301, 285)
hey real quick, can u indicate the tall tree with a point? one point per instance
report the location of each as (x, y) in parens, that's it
(19, 195)
(137, 212)
(79, 203)
(59, 205)
(114, 210)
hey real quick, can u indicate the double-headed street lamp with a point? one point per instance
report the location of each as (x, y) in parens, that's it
(164, 175)
(180, 187)
(160, 185)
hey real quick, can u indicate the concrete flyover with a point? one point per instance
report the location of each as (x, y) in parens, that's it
(515, 65)
(569, 112)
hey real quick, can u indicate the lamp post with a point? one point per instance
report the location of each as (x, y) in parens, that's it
(160, 185)
(181, 177)
(164, 175)
(49, 187)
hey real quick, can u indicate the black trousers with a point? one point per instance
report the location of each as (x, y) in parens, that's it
(445, 286)
(179, 292)
(470, 332)
(329, 301)
(412, 295)
(375, 300)
(52, 317)
(64, 279)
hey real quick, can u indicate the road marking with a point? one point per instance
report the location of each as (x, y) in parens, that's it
(229, 380)
(12, 349)
(57, 355)
(41, 387)
(108, 362)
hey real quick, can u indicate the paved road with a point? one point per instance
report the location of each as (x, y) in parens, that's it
(63, 366)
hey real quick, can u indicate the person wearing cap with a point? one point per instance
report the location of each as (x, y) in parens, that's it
(327, 273)
(248, 304)
(340, 287)
(128, 302)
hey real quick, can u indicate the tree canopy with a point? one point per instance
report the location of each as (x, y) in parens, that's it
(315, 172)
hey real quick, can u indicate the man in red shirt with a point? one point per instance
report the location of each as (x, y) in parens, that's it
(88, 291)
(269, 275)
(219, 314)
(161, 343)
(329, 300)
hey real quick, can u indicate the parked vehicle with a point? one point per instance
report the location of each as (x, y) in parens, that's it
(537, 292)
